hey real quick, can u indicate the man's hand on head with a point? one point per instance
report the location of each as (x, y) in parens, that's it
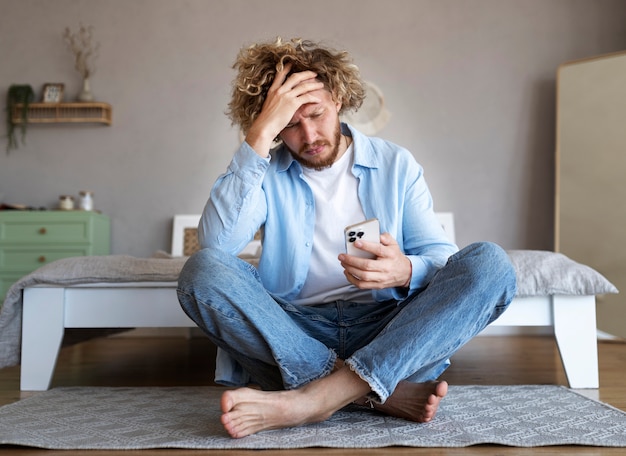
(284, 97)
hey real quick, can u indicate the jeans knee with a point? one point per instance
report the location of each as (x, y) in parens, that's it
(204, 271)
(500, 262)
(492, 261)
(197, 264)
(485, 249)
(212, 271)
(501, 269)
(491, 253)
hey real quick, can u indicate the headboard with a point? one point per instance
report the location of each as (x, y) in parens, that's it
(185, 235)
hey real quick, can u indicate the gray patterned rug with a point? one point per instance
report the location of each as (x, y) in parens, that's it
(188, 417)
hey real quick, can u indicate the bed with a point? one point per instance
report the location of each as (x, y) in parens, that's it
(120, 291)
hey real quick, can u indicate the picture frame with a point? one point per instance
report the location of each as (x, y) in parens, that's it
(53, 92)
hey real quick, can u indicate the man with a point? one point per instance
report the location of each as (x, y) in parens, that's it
(317, 329)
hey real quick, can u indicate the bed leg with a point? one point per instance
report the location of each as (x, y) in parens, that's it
(576, 336)
(42, 334)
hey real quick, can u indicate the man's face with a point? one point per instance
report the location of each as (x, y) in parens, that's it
(313, 135)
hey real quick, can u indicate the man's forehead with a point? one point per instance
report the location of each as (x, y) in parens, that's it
(312, 108)
(307, 110)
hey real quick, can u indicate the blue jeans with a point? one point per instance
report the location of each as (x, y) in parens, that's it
(282, 346)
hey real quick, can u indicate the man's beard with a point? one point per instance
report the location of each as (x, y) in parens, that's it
(328, 161)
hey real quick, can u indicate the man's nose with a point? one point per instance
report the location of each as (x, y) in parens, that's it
(308, 132)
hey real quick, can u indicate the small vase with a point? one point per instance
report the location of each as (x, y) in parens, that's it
(85, 94)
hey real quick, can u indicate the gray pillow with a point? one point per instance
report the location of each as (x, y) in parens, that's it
(544, 273)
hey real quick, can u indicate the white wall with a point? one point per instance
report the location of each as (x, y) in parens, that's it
(470, 85)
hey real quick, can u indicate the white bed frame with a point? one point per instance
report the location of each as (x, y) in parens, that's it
(48, 310)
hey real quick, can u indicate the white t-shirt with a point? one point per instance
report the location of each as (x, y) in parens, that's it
(336, 206)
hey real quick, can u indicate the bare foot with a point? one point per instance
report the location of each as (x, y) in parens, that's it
(413, 401)
(247, 411)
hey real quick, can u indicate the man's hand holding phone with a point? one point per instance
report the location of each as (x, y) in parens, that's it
(357, 234)
(373, 260)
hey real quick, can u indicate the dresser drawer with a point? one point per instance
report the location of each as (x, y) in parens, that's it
(28, 259)
(31, 239)
(44, 232)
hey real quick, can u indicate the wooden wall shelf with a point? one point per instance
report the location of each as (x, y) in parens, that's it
(64, 113)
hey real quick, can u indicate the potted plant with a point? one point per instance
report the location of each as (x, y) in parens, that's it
(18, 94)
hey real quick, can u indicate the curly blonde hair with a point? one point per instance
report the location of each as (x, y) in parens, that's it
(257, 65)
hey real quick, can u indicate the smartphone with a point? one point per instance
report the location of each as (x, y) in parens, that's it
(368, 230)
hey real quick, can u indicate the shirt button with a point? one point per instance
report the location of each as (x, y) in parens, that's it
(308, 244)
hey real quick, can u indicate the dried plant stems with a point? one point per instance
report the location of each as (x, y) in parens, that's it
(84, 48)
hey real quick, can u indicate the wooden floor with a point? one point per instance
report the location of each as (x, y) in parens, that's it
(487, 360)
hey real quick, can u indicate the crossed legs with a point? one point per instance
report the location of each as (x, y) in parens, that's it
(472, 290)
(247, 411)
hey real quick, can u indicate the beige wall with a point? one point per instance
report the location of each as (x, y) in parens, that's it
(470, 85)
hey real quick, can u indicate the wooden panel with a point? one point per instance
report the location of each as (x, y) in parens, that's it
(590, 168)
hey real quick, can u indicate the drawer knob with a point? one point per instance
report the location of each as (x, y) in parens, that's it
(43, 230)
(41, 259)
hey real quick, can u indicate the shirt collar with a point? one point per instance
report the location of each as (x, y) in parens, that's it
(363, 151)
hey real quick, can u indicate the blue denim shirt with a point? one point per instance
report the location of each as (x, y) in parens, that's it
(271, 193)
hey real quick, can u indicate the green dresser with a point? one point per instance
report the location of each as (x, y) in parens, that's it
(30, 239)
